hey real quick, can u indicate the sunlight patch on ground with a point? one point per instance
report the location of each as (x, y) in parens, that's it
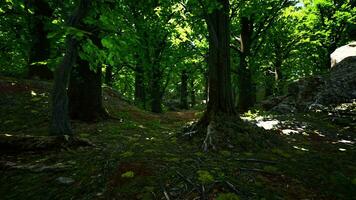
(289, 131)
(344, 142)
(33, 93)
(300, 148)
(268, 125)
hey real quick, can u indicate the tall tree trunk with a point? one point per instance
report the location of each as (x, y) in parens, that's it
(85, 93)
(192, 93)
(40, 45)
(156, 90)
(109, 75)
(60, 123)
(184, 90)
(279, 79)
(206, 85)
(140, 94)
(269, 84)
(220, 92)
(246, 89)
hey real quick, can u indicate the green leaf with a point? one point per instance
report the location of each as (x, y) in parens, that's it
(128, 174)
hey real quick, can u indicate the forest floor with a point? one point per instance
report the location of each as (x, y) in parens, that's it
(139, 156)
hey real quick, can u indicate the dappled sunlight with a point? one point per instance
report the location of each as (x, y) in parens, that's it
(344, 142)
(289, 131)
(33, 93)
(268, 125)
(300, 148)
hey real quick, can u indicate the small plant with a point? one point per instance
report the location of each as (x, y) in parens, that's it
(128, 174)
(205, 177)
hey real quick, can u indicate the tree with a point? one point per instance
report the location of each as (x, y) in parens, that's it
(60, 124)
(255, 18)
(85, 87)
(220, 92)
(40, 44)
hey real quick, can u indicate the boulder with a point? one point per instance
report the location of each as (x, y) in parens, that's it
(343, 52)
(338, 86)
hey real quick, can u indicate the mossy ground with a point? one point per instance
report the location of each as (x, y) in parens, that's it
(139, 156)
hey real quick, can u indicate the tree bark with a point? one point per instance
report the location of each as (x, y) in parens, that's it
(109, 75)
(246, 89)
(60, 123)
(40, 45)
(220, 92)
(192, 93)
(278, 80)
(140, 94)
(85, 93)
(156, 90)
(184, 90)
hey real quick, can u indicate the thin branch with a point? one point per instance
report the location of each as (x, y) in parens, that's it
(256, 160)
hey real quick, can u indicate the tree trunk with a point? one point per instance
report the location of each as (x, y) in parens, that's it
(220, 92)
(192, 93)
(85, 93)
(60, 123)
(246, 89)
(109, 75)
(278, 80)
(269, 84)
(206, 86)
(140, 94)
(184, 90)
(40, 45)
(156, 91)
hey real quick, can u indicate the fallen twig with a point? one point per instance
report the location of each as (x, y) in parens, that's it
(256, 160)
(32, 168)
(166, 194)
(203, 195)
(184, 178)
(232, 187)
(258, 170)
(14, 143)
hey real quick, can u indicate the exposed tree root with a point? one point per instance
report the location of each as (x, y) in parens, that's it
(221, 131)
(11, 143)
(208, 141)
(33, 168)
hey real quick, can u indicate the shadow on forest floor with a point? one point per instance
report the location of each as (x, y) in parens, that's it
(140, 156)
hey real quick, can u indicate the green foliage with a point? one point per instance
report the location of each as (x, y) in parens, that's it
(205, 177)
(163, 38)
(128, 174)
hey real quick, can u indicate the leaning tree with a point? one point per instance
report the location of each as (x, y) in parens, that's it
(60, 124)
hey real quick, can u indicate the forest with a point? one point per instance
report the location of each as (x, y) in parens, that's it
(178, 99)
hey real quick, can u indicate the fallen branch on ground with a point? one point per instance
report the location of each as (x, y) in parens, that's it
(256, 160)
(258, 171)
(13, 143)
(33, 168)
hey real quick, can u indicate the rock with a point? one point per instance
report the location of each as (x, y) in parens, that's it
(340, 86)
(284, 108)
(343, 52)
(317, 92)
(65, 180)
(272, 102)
